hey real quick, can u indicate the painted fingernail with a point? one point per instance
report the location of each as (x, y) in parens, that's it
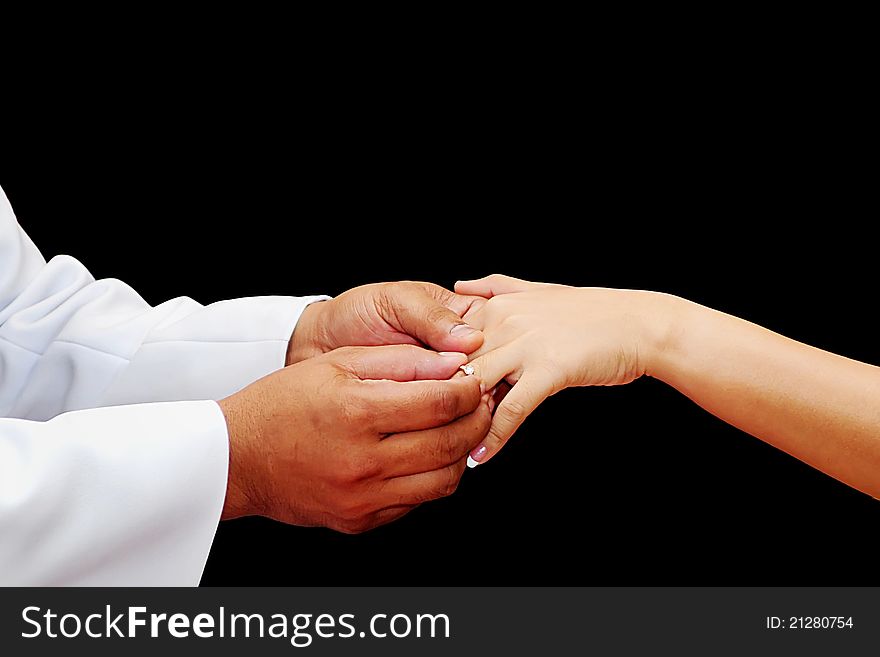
(476, 455)
(462, 330)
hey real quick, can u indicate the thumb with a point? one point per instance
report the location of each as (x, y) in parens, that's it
(424, 313)
(489, 286)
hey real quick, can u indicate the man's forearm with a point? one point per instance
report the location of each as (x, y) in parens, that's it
(820, 407)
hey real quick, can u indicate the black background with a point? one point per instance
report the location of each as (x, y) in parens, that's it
(745, 192)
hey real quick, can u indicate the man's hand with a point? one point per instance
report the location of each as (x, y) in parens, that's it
(386, 314)
(352, 439)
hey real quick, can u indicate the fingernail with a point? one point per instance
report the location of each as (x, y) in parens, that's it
(476, 455)
(492, 401)
(462, 330)
(452, 354)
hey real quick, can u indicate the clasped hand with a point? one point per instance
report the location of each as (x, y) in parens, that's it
(364, 423)
(354, 437)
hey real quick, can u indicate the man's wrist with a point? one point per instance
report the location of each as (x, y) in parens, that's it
(306, 341)
(239, 499)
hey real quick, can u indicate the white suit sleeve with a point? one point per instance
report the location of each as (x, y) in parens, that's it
(68, 342)
(124, 496)
(127, 495)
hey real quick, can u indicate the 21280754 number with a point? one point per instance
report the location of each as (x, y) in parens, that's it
(810, 623)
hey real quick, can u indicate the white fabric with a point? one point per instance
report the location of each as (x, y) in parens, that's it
(129, 495)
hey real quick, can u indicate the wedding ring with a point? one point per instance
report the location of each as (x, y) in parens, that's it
(467, 369)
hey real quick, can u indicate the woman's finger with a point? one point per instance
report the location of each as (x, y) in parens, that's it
(519, 403)
(494, 366)
(489, 286)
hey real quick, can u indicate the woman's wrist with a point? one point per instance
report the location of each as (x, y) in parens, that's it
(666, 320)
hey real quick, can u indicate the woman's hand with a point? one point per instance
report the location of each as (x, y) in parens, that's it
(820, 407)
(542, 338)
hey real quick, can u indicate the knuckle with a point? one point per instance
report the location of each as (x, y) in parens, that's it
(513, 321)
(483, 365)
(348, 360)
(500, 311)
(392, 289)
(445, 484)
(341, 475)
(445, 403)
(352, 509)
(450, 446)
(348, 354)
(446, 447)
(511, 410)
(387, 286)
(450, 483)
(436, 314)
(360, 467)
(494, 439)
(354, 410)
(549, 371)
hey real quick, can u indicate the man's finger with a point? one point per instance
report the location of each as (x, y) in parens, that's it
(489, 286)
(517, 405)
(460, 304)
(416, 405)
(401, 363)
(423, 451)
(425, 314)
(424, 487)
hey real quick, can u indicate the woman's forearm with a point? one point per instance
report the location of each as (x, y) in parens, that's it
(818, 406)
